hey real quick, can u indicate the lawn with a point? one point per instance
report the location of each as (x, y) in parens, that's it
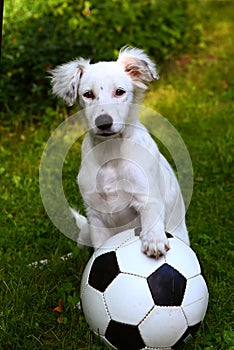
(195, 93)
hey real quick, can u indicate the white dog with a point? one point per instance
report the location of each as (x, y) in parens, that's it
(124, 180)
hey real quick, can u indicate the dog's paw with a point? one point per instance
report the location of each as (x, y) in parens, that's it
(154, 244)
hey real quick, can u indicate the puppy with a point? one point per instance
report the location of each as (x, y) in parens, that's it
(124, 180)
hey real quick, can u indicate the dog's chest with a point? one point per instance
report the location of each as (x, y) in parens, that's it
(111, 188)
(109, 178)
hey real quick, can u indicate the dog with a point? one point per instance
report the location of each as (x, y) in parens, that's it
(124, 180)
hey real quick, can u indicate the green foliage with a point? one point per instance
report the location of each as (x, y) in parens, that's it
(41, 34)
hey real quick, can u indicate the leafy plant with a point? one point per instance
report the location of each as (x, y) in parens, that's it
(39, 35)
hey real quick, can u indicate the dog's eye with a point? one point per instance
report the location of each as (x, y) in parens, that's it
(119, 92)
(89, 94)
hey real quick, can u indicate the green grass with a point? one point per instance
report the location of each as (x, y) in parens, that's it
(195, 93)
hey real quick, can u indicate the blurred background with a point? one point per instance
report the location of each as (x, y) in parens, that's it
(38, 35)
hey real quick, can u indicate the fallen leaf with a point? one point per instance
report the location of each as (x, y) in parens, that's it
(225, 84)
(59, 308)
(60, 319)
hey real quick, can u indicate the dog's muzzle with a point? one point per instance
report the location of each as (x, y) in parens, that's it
(104, 122)
(104, 125)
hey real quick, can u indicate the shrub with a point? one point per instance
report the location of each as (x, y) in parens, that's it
(39, 35)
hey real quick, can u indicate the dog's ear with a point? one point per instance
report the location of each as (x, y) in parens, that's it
(65, 79)
(138, 66)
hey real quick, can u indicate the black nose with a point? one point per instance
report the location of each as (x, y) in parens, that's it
(104, 122)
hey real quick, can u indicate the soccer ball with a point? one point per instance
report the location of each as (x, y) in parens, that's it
(135, 302)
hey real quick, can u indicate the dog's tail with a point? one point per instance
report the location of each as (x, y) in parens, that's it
(80, 219)
(84, 238)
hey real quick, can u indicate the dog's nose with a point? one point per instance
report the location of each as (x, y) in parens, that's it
(104, 122)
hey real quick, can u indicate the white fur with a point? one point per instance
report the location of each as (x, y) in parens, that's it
(124, 180)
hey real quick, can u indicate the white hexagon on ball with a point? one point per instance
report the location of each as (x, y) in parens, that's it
(95, 312)
(132, 293)
(170, 319)
(195, 300)
(188, 264)
(140, 264)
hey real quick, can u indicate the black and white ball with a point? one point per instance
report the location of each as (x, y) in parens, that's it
(135, 302)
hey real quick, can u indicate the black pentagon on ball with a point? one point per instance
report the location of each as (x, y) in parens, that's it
(105, 268)
(169, 235)
(167, 286)
(187, 336)
(124, 336)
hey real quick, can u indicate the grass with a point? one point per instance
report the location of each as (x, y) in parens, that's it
(196, 94)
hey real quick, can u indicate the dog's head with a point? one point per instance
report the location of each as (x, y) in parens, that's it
(105, 89)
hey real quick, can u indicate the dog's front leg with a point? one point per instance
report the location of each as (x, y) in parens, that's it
(153, 236)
